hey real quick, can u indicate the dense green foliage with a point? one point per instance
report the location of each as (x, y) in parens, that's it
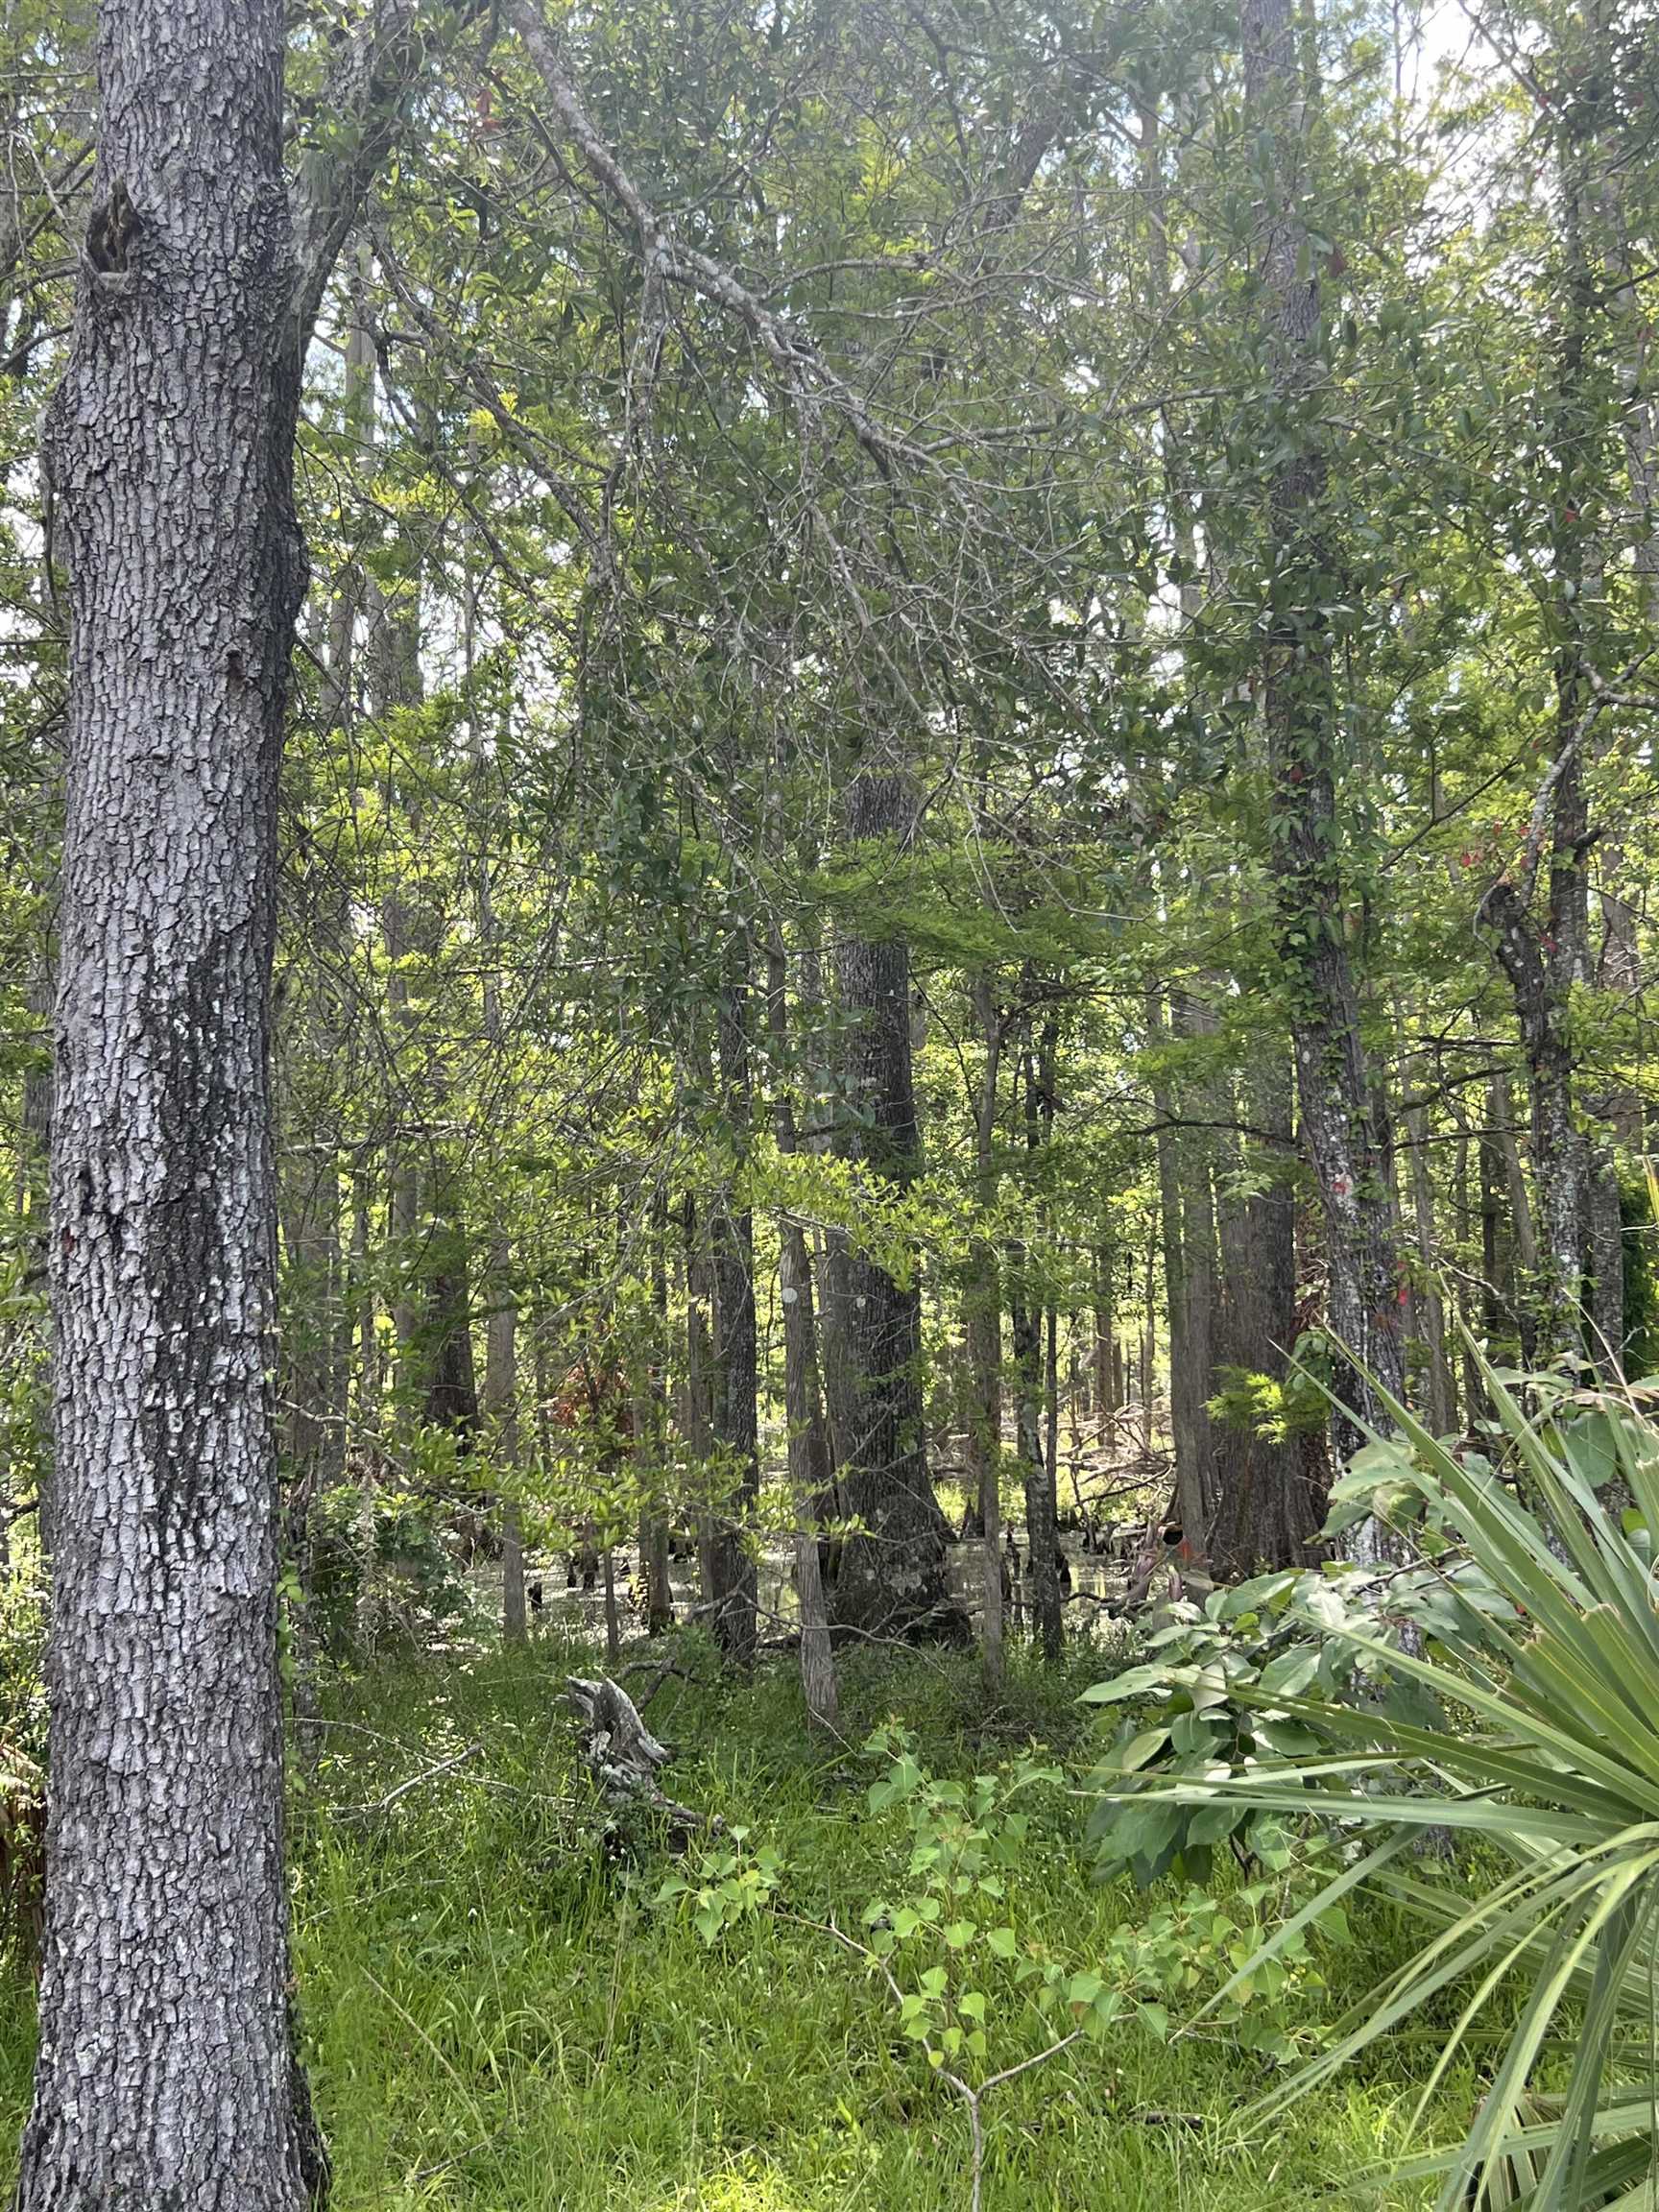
(967, 845)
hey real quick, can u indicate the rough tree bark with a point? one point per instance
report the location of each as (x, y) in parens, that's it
(1303, 830)
(166, 2075)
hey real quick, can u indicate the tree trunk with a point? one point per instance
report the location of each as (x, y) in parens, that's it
(166, 2075)
(1545, 962)
(1188, 1285)
(1442, 1405)
(651, 1440)
(1560, 1161)
(1305, 834)
(365, 1624)
(801, 1403)
(982, 1324)
(1108, 1364)
(700, 1391)
(1270, 1510)
(501, 1421)
(892, 1578)
(1042, 1538)
(735, 1428)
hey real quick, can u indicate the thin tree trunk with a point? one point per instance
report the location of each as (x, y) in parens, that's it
(982, 1320)
(1441, 1398)
(700, 1391)
(651, 1440)
(365, 1624)
(1042, 1541)
(1189, 1279)
(735, 1428)
(1108, 1366)
(502, 1424)
(801, 1406)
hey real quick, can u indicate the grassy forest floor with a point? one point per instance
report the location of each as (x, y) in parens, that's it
(500, 2018)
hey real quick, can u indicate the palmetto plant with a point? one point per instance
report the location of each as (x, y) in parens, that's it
(1542, 1653)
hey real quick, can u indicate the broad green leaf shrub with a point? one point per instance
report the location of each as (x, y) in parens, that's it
(1216, 1695)
(978, 1984)
(1538, 1652)
(727, 1885)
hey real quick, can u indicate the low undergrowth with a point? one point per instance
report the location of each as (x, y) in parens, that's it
(504, 2010)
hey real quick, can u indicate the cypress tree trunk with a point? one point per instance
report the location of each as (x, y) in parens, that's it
(1303, 830)
(892, 1578)
(166, 2075)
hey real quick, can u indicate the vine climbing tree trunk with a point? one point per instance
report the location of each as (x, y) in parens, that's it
(1304, 831)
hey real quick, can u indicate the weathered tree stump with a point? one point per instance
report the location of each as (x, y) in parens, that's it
(623, 1756)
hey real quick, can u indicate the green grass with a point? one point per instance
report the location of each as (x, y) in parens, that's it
(498, 2018)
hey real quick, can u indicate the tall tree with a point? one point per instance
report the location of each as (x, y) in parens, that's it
(1304, 855)
(166, 2073)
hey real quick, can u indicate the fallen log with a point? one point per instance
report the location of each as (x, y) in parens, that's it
(623, 1756)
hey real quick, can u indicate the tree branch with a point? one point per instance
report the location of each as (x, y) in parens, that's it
(363, 107)
(809, 377)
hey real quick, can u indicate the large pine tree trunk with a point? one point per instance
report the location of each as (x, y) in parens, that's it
(165, 2076)
(892, 1578)
(1305, 834)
